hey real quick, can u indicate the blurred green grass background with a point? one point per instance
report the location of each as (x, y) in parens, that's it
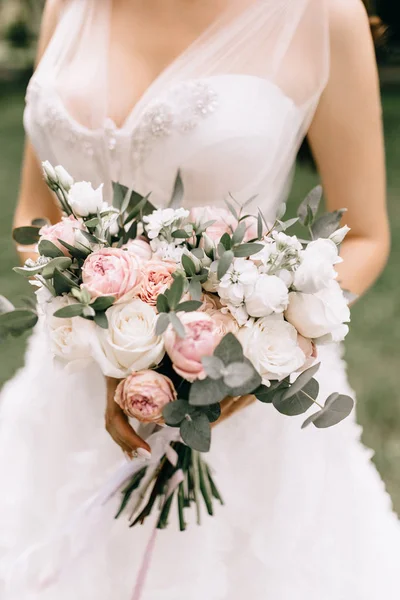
(373, 345)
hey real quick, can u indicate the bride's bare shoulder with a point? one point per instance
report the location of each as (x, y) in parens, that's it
(347, 17)
(50, 18)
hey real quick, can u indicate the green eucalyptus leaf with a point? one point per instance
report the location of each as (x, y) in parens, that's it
(207, 391)
(237, 374)
(249, 385)
(177, 325)
(16, 322)
(174, 293)
(175, 412)
(92, 222)
(61, 263)
(213, 366)
(260, 227)
(298, 403)
(103, 303)
(229, 350)
(47, 248)
(177, 193)
(28, 271)
(141, 208)
(188, 265)
(245, 250)
(302, 381)
(232, 210)
(78, 253)
(119, 193)
(224, 263)
(226, 241)
(162, 323)
(181, 234)
(213, 412)
(196, 432)
(195, 290)
(73, 310)
(264, 394)
(26, 236)
(239, 233)
(327, 224)
(62, 283)
(92, 239)
(162, 304)
(310, 203)
(100, 318)
(286, 224)
(189, 306)
(198, 253)
(337, 408)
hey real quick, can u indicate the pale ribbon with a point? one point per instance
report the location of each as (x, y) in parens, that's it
(88, 518)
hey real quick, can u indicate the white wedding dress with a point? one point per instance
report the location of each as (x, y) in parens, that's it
(306, 515)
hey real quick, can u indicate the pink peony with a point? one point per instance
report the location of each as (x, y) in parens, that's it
(144, 394)
(111, 272)
(202, 337)
(157, 277)
(225, 222)
(64, 230)
(140, 249)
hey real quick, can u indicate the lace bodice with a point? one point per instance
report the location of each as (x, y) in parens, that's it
(227, 132)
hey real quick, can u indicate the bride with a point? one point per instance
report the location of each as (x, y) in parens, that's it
(225, 91)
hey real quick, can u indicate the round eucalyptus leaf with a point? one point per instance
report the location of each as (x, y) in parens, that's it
(61, 262)
(47, 248)
(196, 432)
(17, 322)
(207, 391)
(229, 349)
(224, 263)
(213, 366)
(26, 236)
(237, 374)
(213, 412)
(176, 411)
(337, 408)
(162, 323)
(298, 403)
(73, 310)
(302, 381)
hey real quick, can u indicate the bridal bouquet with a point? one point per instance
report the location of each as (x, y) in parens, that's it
(187, 309)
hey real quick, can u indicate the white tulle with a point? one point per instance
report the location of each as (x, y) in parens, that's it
(306, 514)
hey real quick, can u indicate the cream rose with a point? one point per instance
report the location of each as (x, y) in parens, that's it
(320, 315)
(316, 269)
(84, 200)
(271, 345)
(130, 343)
(70, 339)
(269, 295)
(143, 395)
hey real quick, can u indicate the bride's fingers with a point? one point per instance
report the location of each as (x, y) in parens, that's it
(131, 439)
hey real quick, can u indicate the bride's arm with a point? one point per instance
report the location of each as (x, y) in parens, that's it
(35, 200)
(347, 141)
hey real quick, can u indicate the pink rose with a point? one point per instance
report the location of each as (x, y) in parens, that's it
(64, 230)
(224, 322)
(140, 249)
(144, 394)
(157, 277)
(111, 272)
(202, 337)
(225, 222)
(309, 349)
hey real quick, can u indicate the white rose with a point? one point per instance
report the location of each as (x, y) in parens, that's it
(84, 200)
(130, 343)
(64, 178)
(338, 236)
(269, 295)
(321, 314)
(316, 270)
(238, 281)
(69, 338)
(271, 345)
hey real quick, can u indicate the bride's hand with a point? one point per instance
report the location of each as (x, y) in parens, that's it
(118, 426)
(230, 406)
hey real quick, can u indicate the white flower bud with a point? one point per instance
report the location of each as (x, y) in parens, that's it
(49, 173)
(338, 236)
(64, 178)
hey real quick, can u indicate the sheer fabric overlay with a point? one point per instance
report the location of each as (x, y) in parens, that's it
(306, 514)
